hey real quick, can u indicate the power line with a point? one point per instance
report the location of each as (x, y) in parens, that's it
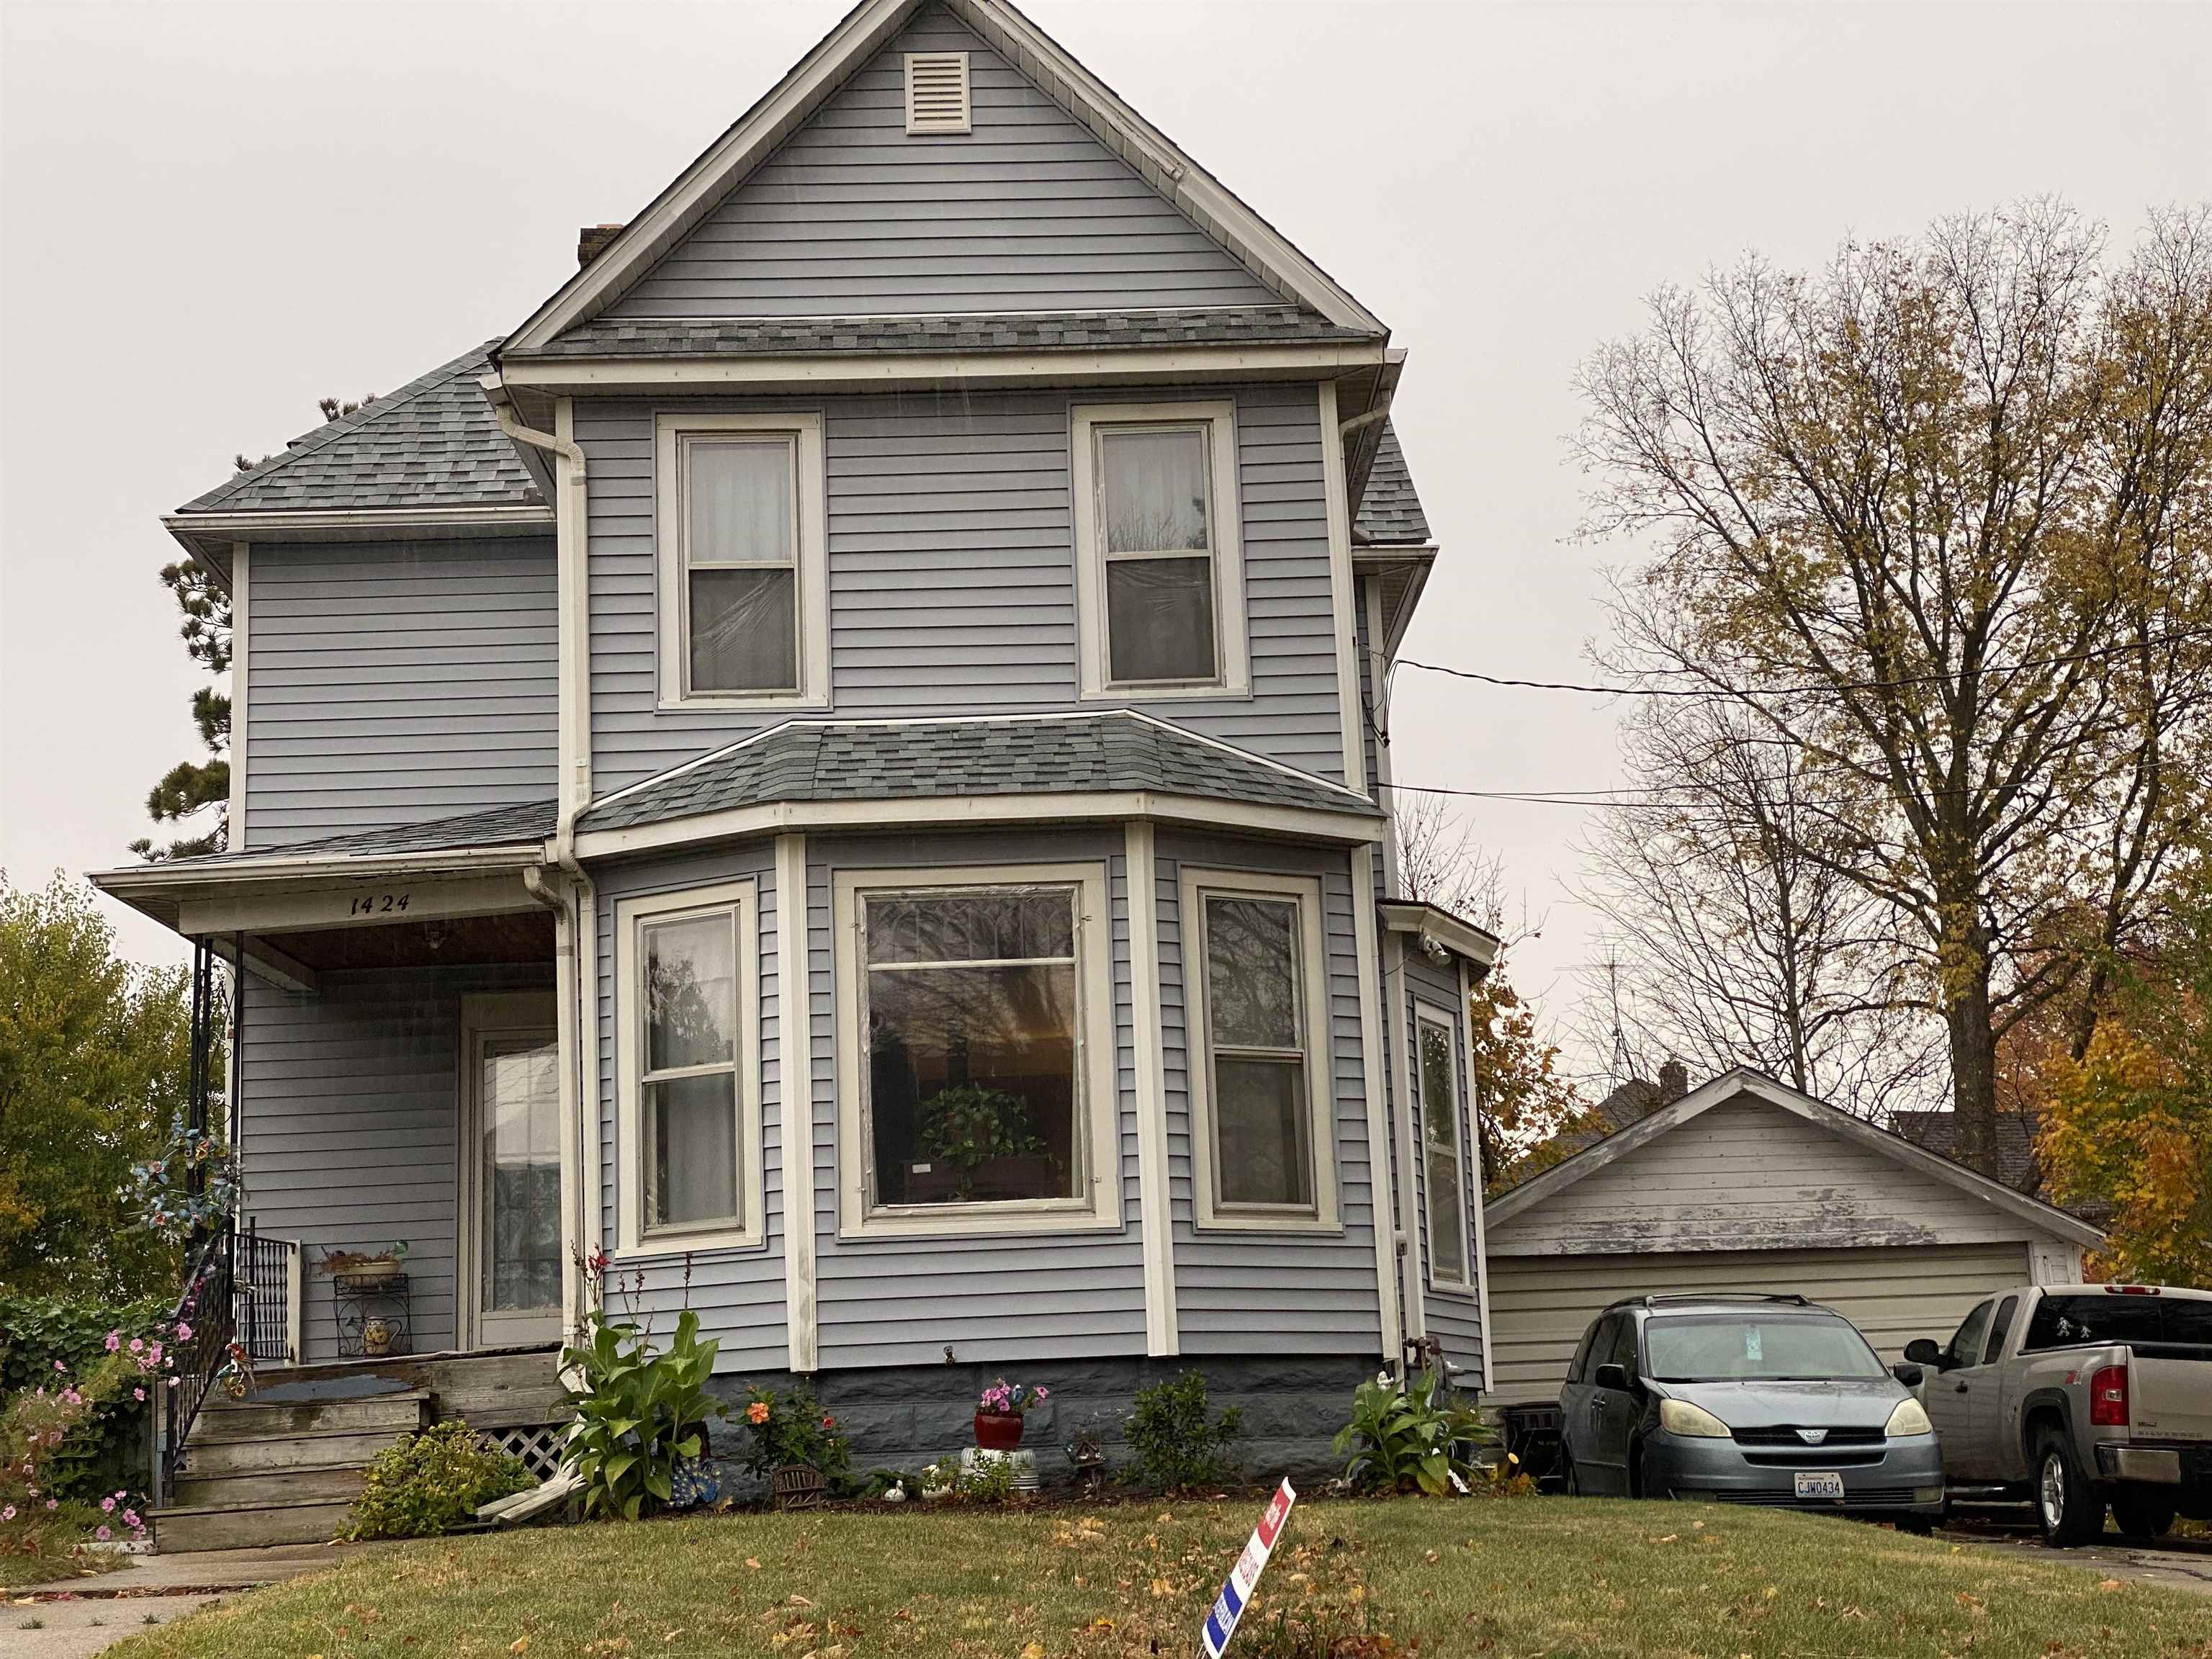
(1751, 694)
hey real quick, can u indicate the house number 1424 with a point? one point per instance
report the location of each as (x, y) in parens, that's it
(377, 904)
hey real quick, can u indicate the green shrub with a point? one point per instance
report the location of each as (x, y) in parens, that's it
(639, 1413)
(110, 1450)
(432, 1482)
(790, 1428)
(1176, 1442)
(1417, 1438)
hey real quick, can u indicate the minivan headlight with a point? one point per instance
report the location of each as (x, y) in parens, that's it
(1911, 1417)
(1694, 1422)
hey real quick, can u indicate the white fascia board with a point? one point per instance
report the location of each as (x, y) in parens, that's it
(176, 881)
(370, 902)
(718, 169)
(835, 371)
(959, 812)
(290, 524)
(1462, 937)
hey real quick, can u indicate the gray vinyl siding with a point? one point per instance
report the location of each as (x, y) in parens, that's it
(1454, 1318)
(1271, 1293)
(1029, 212)
(994, 1298)
(738, 1293)
(396, 682)
(351, 1125)
(953, 574)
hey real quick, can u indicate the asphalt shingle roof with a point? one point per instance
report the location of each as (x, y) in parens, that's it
(500, 826)
(435, 442)
(831, 759)
(792, 337)
(1389, 511)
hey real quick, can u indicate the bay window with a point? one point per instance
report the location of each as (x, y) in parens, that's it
(1256, 1008)
(687, 1059)
(975, 1038)
(742, 564)
(1158, 550)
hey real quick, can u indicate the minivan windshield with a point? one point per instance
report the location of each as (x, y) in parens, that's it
(1756, 1347)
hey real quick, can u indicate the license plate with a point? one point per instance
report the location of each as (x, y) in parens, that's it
(1821, 1484)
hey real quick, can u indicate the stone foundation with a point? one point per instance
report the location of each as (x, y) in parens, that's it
(904, 1416)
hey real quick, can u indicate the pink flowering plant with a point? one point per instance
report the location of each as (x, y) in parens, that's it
(49, 1432)
(1005, 1399)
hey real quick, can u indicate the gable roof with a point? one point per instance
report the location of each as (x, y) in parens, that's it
(1389, 511)
(1742, 1082)
(812, 760)
(435, 442)
(857, 37)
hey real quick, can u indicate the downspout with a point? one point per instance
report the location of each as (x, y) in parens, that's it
(576, 902)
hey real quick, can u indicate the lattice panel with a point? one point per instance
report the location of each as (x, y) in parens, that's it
(538, 1446)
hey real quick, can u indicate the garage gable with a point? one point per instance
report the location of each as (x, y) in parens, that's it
(1747, 1163)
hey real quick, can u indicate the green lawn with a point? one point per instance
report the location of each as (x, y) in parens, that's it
(1485, 1577)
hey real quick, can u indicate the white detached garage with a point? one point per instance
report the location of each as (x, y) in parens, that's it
(1744, 1184)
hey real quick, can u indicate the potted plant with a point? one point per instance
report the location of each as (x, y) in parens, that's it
(796, 1447)
(1002, 1410)
(965, 1127)
(363, 1264)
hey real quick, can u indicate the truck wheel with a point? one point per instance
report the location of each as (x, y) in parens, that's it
(2066, 1505)
(2139, 1516)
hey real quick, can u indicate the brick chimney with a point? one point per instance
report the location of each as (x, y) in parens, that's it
(592, 242)
(1674, 1082)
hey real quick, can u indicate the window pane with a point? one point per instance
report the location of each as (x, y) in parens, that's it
(1260, 1132)
(1439, 1108)
(691, 993)
(1153, 490)
(1447, 1220)
(691, 1123)
(1159, 619)
(972, 1092)
(519, 1096)
(983, 926)
(737, 501)
(1251, 972)
(744, 630)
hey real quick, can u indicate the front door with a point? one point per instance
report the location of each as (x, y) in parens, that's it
(511, 1148)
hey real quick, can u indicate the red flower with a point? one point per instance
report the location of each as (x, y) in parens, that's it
(827, 1421)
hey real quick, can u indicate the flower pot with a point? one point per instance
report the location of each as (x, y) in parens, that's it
(377, 1268)
(999, 1430)
(796, 1486)
(376, 1337)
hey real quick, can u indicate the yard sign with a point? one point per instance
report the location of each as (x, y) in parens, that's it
(1236, 1589)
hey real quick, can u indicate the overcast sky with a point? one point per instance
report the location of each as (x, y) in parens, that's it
(211, 214)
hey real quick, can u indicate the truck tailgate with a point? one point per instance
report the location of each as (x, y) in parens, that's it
(2170, 1397)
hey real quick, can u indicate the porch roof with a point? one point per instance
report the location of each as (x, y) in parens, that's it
(1112, 751)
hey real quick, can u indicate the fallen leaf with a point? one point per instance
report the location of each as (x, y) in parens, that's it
(521, 1644)
(1032, 1651)
(753, 1562)
(2109, 1583)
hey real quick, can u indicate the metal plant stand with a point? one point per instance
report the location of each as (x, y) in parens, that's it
(361, 1302)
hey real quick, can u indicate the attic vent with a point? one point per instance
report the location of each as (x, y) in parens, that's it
(937, 92)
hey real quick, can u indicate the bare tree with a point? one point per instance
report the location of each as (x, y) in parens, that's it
(1932, 519)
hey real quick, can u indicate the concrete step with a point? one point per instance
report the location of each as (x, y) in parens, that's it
(218, 1491)
(388, 1413)
(341, 1450)
(310, 1520)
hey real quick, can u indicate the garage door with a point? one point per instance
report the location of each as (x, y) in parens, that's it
(1540, 1305)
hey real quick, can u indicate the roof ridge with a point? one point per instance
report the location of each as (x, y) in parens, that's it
(321, 438)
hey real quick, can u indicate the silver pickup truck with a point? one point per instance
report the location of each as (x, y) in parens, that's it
(2072, 1397)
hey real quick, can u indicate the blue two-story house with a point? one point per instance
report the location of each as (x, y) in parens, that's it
(842, 765)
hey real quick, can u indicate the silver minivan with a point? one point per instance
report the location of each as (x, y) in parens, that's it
(1746, 1398)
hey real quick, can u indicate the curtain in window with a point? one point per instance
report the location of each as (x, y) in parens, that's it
(691, 1078)
(741, 560)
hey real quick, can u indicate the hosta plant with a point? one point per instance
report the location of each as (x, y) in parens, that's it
(640, 1411)
(1415, 1438)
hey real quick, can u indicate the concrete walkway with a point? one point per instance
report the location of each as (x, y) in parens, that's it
(78, 1617)
(2176, 1563)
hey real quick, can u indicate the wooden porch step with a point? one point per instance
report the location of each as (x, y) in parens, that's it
(340, 1449)
(264, 1487)
(399, 1412)
(232, 1527)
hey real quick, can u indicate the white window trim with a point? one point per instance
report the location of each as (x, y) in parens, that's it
(1430, 1013)
(1233, 650)
(1098, 1094)
(810, 505)
(630, 917)
(1195, 887)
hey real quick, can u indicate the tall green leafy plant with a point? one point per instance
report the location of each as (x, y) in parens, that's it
(1415, 1439)
(641, 1410)
(1177, 1442)
(433, 1482)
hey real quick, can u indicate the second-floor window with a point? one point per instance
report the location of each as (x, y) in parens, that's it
(742, 570)
(1158, 550)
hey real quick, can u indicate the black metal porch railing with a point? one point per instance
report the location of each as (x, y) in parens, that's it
(265, 1272)
(205, 1309)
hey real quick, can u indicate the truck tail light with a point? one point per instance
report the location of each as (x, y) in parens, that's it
(2108, 1397)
